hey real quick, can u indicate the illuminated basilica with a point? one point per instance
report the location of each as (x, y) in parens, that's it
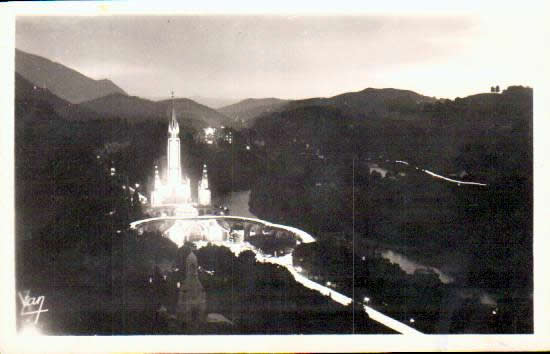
(176, 190)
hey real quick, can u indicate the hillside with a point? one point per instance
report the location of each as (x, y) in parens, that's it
(134, 109)
(63, 81)
(118, 105)
(190, 109)
(248, 110)
(369, 118)
(33, 103)
(369, 102)
(488, 134)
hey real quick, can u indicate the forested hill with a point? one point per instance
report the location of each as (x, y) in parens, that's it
(134, 109)
(391, 102)
(370, 101)
(246, 111)
(488, 135)
(34, 103)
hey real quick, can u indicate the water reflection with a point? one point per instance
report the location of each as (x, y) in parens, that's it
(411, 267)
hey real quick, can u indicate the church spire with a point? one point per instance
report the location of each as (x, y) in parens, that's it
(173, 127)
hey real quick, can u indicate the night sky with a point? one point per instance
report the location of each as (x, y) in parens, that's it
(286, 56)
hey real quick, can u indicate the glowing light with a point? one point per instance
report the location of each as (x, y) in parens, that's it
(298, 269)
(494, 312)
(178, 284)
(98, 156)
(247, 147)
(366, 299)
(411, 320)
(363, 258)
(118, 231)
(137, 185)
(150, 280)
(328, 283)
(209, 131)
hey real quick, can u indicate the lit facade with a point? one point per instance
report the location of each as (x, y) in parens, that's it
(196, 230)
(204, 191)
(177, 188)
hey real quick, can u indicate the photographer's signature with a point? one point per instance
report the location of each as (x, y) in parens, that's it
(31, 306)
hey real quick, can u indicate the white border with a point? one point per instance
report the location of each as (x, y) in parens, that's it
(536, 10)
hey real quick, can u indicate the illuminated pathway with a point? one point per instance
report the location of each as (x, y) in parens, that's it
(302, 235)
(286, 261)
(443, 177)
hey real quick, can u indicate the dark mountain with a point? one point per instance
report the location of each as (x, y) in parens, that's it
(135, 108)
(472, 133)
(26, 92)
(248, 110)
(64, 82)
(33, 103)
(189, 109)
(118, 105)
(381, 102)
(385, 112)
(389, 103)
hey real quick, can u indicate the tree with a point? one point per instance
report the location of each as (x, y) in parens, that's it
(497, 89)
(492, 89)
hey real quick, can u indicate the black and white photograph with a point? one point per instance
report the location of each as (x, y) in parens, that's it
(222, 175)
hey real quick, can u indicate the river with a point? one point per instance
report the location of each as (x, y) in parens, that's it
(238, 205)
